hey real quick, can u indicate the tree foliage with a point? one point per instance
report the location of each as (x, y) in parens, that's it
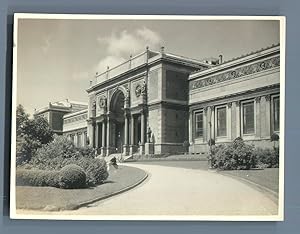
(31, 134)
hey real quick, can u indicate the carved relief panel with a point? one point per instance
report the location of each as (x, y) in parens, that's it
(139, 92)
(101, 106)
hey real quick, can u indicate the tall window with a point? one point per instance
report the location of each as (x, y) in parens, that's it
(199, 124)
(221, 121)
(276, 114)
(248, 118)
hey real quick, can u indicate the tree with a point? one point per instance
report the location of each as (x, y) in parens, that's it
(31, 134)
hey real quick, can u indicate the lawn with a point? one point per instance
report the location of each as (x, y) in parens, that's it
(268, 177)
(53, 199)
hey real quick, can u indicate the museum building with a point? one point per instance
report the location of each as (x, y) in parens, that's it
(157, 103)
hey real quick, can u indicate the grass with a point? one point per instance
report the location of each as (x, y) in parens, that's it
(268, 177)
(54, 199)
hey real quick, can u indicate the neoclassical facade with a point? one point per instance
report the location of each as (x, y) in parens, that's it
(142, 100)
(237, 98)
(166, 101)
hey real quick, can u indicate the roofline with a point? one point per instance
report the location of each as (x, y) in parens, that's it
(274, 48)
(75, 113)
(173, 58)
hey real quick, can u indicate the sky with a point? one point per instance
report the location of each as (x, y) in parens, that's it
(58, 57)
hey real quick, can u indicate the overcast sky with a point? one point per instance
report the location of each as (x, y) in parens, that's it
(57, 58)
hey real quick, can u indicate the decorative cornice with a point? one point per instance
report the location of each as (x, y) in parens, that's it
(75, 118)
(268, 97)
(237, 73)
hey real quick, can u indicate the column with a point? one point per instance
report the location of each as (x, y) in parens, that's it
(126, 140)
(75, 139)
(103, 133)
(126, 130)
(103, 148)
(258, 124)
(93, 135)
(229, 121)
(132, 130)
(205, 124)
(212, 122)
(268, 115)
(238, 118)
(142, 151)
(190, 126)
(97, 136)
(108, 135)
(142, 128)
(131, 149)
(209, 123)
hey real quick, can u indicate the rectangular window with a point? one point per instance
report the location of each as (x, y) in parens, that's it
(199, 124)
(221, 121)
(276, 114)
(248, 118)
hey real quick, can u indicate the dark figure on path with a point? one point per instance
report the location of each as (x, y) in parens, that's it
(113, 162)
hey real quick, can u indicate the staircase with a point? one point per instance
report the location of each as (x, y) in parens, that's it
(119, 157)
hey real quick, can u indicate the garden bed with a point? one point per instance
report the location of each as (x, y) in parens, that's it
(55, 199)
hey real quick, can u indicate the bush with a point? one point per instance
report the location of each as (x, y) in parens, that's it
(36, 178)
(62, 152)
(72, 176)
(267, 158)
(96, 171)
(234, 156)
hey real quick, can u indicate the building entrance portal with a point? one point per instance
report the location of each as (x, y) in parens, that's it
(118, 120)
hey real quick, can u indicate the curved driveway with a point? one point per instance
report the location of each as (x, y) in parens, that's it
(179, 191)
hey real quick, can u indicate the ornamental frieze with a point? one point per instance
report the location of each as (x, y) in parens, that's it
(75, 119)
(237, 73)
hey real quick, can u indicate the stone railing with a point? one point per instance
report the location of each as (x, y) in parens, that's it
(132, 63)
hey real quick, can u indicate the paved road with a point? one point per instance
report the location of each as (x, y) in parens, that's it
(179, 191)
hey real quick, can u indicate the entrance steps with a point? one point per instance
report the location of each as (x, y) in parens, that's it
(119, 157)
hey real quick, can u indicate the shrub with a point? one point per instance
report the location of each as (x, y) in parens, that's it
(96, 171)
(36, 178)
(72, 176)
(234, 156)
(267, 158)
(62, 152)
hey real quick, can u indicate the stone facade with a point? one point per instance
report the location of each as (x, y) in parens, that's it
(55, 111)
(157, 102)
(238, 98)
(143, 99)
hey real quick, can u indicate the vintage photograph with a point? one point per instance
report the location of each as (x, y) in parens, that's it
(127, 117)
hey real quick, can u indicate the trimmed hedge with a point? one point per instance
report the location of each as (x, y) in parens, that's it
(72, 176)
(33, 177)
(62, 152)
